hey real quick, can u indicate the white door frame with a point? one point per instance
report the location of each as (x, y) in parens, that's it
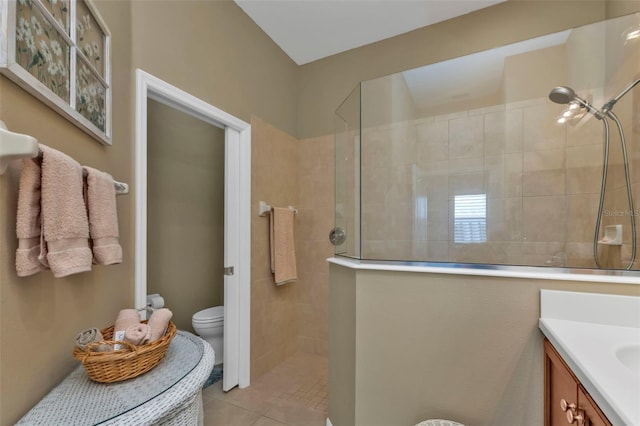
(238, 158)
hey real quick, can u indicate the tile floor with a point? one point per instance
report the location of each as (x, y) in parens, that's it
(294, 393)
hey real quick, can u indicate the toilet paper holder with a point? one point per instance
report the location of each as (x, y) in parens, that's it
(154, 301)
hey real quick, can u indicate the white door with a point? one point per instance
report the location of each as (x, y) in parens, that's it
(231, 254)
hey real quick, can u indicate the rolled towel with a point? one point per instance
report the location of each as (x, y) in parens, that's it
(158, 323)
(125, 319)
(137, 334)
(91, 335)
(88, 336)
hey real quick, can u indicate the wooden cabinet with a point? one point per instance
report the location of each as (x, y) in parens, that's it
(564, 397)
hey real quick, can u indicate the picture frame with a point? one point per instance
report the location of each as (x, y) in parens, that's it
(60, 52)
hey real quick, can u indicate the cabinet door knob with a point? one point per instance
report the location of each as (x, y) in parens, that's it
(566, 406)
(571, 417)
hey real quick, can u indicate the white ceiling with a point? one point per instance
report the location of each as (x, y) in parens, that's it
(308, 30)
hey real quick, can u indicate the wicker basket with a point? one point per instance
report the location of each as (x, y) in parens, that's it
(123, 364)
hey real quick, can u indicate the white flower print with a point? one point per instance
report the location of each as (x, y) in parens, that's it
(31, 43)
(53, 69)
(45, 51)
(36, 25)
(55, 46)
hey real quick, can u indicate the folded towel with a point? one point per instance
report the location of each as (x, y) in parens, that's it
(137, 334)
(125, 319)
(64, 216)
(103, 217)
(28, 223)
(283, 251)
(158, 323)
(91, 335)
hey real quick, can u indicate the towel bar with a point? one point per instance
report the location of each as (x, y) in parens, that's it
(121, 187)
(265, 209)
(16, 145)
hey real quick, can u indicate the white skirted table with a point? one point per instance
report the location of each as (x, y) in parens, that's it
(171, 393)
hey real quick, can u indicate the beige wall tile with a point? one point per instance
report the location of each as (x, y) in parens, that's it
(466, 184)
(544, 218)
(466, 137)
(541, 132)
(403, 148)
(273, 308)
(504, 219)
(581, 220)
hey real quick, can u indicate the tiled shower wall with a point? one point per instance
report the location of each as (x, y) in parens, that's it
(541, 180)
(316, 218)
(274, 179)
(291, 317)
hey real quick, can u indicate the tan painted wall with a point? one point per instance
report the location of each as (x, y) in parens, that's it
(342, 346)
(185, 212)
(441, 346)
(213, 50)
(40, 316)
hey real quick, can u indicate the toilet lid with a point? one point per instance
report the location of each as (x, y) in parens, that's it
(209, 314)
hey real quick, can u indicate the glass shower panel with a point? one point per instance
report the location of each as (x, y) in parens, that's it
(394, 213)
(469, 161)
(346, 234)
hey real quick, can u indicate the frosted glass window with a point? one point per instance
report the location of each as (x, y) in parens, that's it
(470, 218)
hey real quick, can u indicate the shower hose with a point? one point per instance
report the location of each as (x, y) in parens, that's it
(603, 189)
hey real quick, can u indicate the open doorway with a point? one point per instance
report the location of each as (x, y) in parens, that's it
(237, 193)
(185, 213)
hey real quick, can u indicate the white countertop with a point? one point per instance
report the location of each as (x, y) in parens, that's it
(587, 329)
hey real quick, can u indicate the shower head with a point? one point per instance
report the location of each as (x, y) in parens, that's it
(562, 95)
(566, 95)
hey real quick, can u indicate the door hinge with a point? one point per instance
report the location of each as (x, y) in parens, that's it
(228, 270)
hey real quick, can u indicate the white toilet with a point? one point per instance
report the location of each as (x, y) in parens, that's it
(209, 324)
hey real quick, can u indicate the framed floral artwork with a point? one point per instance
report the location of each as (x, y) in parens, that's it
(59, 51)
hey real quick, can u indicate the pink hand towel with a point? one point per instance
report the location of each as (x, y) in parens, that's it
(103, 217)
(283, 251)
(64, 215)
(125, 319)
(158, 323)
(28, 223)
(137, 334)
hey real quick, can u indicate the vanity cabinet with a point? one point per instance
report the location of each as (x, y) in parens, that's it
(565, 399)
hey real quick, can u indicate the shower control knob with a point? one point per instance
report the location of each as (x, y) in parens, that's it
(337, 236)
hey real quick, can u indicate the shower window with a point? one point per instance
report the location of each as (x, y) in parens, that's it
(470, 218)
(466, 160)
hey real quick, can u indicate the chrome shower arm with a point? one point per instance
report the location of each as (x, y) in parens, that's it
(609, 105)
